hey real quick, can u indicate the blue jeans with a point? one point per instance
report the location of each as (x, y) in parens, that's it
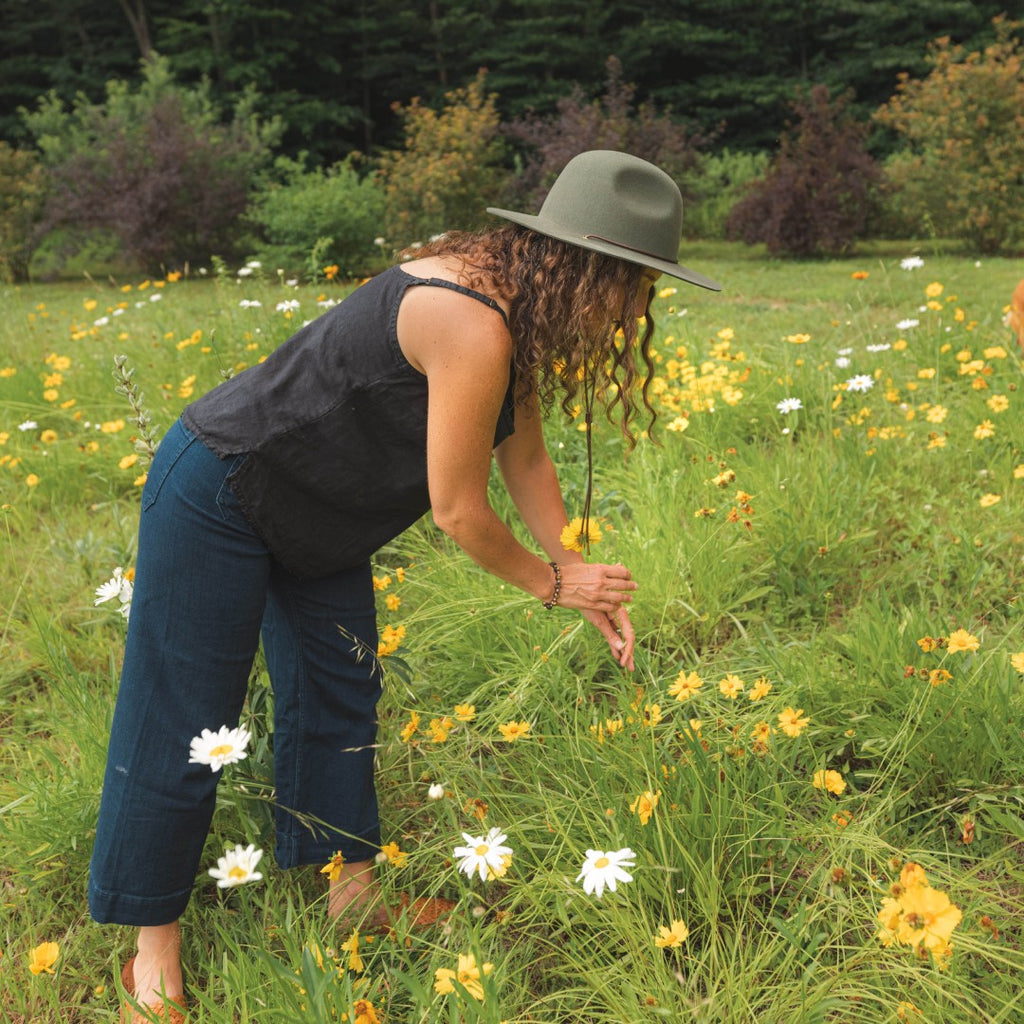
(205, 588)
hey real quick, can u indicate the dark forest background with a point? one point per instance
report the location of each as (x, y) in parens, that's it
(332, 70)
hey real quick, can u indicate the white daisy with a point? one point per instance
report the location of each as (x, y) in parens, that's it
(118, 586)
(788, 405)
(225, 746)
(881, 347)
(911, 263)
(605, 868)
(482, 854)
(288, 306)
(906, 325)
(862, 382)
(27, 425)
(842, 362)
(436, 791)
(237, 866)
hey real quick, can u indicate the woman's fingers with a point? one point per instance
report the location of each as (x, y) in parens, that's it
(596, 586)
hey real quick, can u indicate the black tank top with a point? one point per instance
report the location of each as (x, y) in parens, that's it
(334, 427)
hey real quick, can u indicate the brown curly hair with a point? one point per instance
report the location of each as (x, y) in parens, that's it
(571, 315)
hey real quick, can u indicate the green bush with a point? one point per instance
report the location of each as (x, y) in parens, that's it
(22, 197)
(449, 170)
(153, 166)
(333, 210)
(722, 180)
(963, 126)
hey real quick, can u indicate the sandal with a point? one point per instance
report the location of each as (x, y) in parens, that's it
(172, 1010)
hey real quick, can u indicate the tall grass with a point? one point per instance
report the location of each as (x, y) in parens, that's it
(868, 521)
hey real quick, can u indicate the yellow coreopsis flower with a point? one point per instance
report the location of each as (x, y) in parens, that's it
(934, 290)
(43, 957)
(468, 975)
(830, 780)
(439, 729)
(672, 936)
(731, 686)
(928, 918)
(760, 689)
(687, 685)
(1017, 661)
(791, 722)
(396, 857)
(961, 640)
(332, 869)
(351, 946)
(572, 537)
(988, 500)
(410, 727)
(513, 731)
(465, 712)
(364, 1012)
(643, 806)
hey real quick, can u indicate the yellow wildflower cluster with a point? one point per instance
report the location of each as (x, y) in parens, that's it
(919, 916)
(685, 387)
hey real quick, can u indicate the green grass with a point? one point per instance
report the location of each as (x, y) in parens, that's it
(863, 531)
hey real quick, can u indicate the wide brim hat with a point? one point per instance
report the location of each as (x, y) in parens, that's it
(619, 205)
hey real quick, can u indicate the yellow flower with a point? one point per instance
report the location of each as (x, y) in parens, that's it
(332, 869)
(381, 582)
(48, 436)
(830, 780)
(798, 339)
(934, 290)
(643, 806)
(465, 712)
(938, 676)
(928, 918)
(393, 601)
(961, 640)
(31, 480)
(671, 937)
(988, 500)
(760, 689)
(936, 414)
(998, 403)
(43, 957)
(410, 727)
(128, 461)
(513, 731)
(912, 874)
(572, 537)
(395, 856)
(904, 1009)
(112, 426)
(469, 976)
(390, 640)
(984, 429)
(860, 275)
(791, 722)
(351, 946)
(687, 685)
(889, 920)
(439, 729)
(929, 643)
(762, 732)
(1017, 661)
(731, 686)
(1018, 471)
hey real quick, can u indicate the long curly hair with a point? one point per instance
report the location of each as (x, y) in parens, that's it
(572, 315)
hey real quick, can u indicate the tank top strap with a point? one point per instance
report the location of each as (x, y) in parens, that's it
(440, 282)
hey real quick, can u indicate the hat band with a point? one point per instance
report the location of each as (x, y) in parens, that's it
(622, 245)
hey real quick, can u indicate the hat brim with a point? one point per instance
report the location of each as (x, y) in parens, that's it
(545, 226)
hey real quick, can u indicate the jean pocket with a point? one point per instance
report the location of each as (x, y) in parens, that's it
(227, 500)
(175, 443)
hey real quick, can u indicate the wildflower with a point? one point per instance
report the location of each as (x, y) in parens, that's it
(27, 425)
(928, 918)
(237, 866)
(671, 936)
(724, 478)
(679, 424)
(572, 537)
(332, 869)
(288, 306)
(643, 806)
(788, 405)
(48, 436)
(988, 500)
(439, 729)
(410, 727)
(936, 414)
(32, 480)
(934, 290)
(703, 513)
(760, 689)
(842, 362)
(465, 712)
(687, 685)
(395, 857)
(351, 946)
(483, 854)
(841, 818)
(225, 746)
(862, 382)
(1017, 661)
(860, 275)
(961, 640)
(390, 640)
(512, 731)
(121, 585)
(364, 1012)
(906, 325)
(436, 791)
(904, 1009)
(798, 339)
(984, 429)
(830, 780)
(938, 676)
(731, 686)
(930, 643)
(602, 869)
(761, 733)
(468, 975)
(43, 957)
(911, 263)
(393, 601)
(791, 722)
(652, 715)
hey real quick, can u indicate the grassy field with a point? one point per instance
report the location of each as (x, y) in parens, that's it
(827, 531)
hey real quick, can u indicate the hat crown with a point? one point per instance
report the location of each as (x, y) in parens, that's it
(618, 198)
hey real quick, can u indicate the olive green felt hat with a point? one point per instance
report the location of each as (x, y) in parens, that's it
(617, 204)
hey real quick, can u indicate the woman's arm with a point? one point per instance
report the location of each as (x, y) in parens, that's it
(465, 351)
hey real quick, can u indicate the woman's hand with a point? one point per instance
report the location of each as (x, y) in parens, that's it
(600, 592)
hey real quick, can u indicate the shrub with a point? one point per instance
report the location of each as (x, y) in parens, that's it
(22, 198)
(610, 122)
(724, 178)
(449, 170)
(333, 206)
(153, 167)
(963, 126)
(819, 190)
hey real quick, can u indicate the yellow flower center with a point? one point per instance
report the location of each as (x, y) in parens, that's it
(224, 748)
(481, 850)
(601, 862)
(237, 872)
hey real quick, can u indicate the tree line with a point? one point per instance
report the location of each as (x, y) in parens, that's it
(331, 72)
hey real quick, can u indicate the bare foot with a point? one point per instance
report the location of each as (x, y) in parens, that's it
(354, 893)
(157, 966)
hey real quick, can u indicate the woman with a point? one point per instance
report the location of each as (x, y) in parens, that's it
(266, 500)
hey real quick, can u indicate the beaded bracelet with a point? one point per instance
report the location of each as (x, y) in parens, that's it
(558, 586)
